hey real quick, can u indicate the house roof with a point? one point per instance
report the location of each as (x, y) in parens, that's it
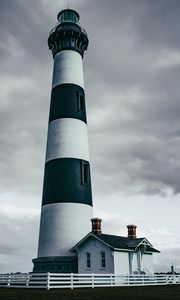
(119, 242)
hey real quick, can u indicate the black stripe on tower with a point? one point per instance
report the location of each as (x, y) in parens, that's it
(67, 101)
(67, 180)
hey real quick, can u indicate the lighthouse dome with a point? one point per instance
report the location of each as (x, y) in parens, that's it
(68, 15)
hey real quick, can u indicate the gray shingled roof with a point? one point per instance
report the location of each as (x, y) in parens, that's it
(118, 242)
(121, 242)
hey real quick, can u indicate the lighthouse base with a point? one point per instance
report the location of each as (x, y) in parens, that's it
(56, 264)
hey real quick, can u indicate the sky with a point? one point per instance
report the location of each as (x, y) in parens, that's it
(131, 72)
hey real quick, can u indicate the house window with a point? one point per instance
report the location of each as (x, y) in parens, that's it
(88, 260)
(84, 172)
(80, 102)
(103, 259)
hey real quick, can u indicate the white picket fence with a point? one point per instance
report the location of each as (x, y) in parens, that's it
(59, 280)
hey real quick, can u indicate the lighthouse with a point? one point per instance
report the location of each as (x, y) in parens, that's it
(67, 198)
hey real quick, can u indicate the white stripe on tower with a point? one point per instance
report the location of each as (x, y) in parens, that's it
(68, 68)
(67, 221)
(67, 137)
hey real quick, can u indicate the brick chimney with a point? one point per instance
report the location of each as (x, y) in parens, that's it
(96, 225)
(132, 231)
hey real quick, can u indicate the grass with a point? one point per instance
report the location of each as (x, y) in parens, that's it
(170, 292)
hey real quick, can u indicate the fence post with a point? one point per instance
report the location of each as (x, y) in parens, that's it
(48, 281)
(92, 280)
(27, 280)
(71, 281)
(156, 279)
(111, 280)
(9, 281)
(167, 279)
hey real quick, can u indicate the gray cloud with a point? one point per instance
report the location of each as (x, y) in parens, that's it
(18, 234)
(136, 63)
(130, 94)
(163, 261)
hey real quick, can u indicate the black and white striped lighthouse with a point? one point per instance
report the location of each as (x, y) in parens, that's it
(67, 198)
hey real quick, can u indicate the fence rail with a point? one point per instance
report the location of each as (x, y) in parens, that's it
(59, 280)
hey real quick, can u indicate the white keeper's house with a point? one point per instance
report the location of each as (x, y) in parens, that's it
(105, 253)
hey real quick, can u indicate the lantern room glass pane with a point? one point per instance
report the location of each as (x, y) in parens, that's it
(69, 16)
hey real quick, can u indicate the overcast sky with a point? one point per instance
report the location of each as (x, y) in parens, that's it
(132, 71)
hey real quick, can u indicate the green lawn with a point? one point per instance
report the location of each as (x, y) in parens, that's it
(170, 292)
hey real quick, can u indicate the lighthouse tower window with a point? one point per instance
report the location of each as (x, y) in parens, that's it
(80, 102)
(85, 172)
